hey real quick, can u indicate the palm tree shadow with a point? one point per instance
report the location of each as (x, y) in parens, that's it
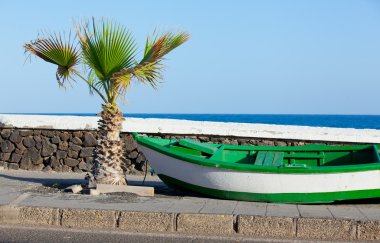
(47, 182)
(161, 189)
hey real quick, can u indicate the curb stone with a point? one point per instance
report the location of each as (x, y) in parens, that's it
(326, 229)
(369, 230)
(38, 216)
(206, 224)
(88, 218)
(147, 222)
(218, 224)
(279, 227)
(9, 214)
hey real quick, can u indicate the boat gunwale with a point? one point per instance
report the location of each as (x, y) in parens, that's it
(145, 141)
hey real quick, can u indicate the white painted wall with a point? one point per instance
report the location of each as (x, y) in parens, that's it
(152, 125)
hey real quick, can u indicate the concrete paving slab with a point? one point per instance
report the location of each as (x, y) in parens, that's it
(16, 186)
(282, 210)
(215, 206)
(106, 202)
(149, 206)
(371, 212)
(250, 208)
(9, 193)
(314, 211)
(187, 205)
(5, 190)
(60, 201)
(346, 212)
(7, 198)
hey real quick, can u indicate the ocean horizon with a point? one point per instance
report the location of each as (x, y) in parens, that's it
(338, 121)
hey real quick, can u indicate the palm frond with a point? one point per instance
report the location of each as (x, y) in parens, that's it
(149, 69)
(107, 47)
(150, 72)
(157, 47)
(58, 50)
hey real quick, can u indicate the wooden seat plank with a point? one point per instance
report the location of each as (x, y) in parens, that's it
(278, 158)
(186, 150)
(260, 157)
(205, 148)
(268, 161)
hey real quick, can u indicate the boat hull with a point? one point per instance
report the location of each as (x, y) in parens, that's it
(263, 186)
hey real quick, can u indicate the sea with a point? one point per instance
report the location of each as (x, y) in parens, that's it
(340, 121)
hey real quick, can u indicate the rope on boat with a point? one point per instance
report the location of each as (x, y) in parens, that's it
(146, 171)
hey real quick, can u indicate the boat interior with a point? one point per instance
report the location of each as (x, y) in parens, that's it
(287, 156)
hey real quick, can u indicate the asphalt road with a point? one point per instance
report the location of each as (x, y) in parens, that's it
(21, 234)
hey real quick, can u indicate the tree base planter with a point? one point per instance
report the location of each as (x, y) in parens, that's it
(143, 191)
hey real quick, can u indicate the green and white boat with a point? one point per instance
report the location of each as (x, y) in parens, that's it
(288, 174)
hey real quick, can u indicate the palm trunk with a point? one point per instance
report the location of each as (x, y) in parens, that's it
(109, 162)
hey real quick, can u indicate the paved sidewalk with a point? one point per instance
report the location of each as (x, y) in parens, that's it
(29, 198)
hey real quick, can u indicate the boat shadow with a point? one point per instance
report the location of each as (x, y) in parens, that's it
(358, 201)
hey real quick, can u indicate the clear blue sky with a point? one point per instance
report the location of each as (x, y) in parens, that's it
(255, 57)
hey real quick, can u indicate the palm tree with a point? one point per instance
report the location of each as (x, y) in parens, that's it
(103, 54)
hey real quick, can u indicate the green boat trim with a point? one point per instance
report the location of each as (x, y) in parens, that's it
(192, 156)
(304, 198)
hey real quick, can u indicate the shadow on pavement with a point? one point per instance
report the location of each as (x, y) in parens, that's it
(43, 181)
(161, 189)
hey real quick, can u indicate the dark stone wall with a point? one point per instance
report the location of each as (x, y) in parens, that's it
(73, 151)
(58, 150)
